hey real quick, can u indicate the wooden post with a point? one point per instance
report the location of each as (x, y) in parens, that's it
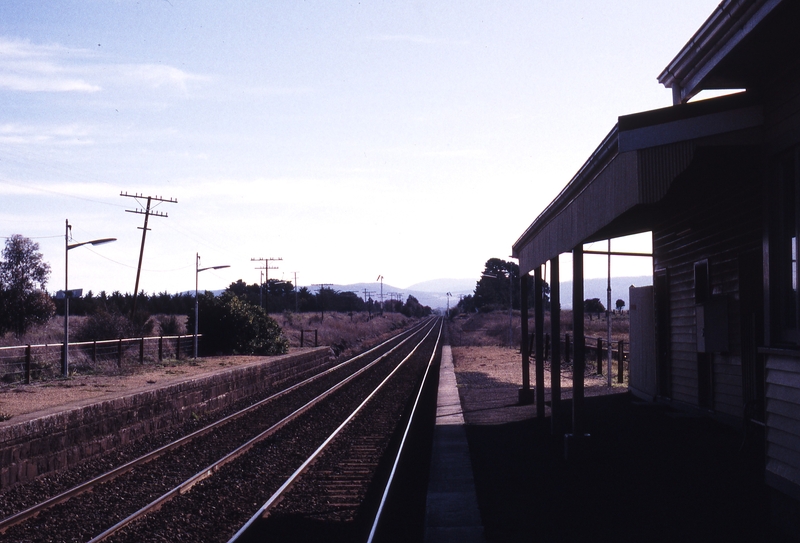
(555, 332)
(315, 338)
(94, 351)
(160, 348)
(579, 365)
(141, 351)
(546, 346)
(600, 356)
(119, 353)
(525, 392)
(620, 358)
(28, 365)
(302, 337)
(538, 309)
(178, 348)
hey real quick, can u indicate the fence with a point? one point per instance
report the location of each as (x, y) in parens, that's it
(595, 351)
(35, 362)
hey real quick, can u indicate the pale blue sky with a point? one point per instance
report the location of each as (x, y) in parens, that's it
(414, 140)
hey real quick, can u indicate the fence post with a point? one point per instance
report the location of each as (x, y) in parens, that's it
(315, 338)
(94, 351)
(547, 346)
(141, 351)
(28, 365)
(178, 348)
(302, 337)
(566, 348)
(599, 356)
(160, 348)
(119, 353)
(620, 357)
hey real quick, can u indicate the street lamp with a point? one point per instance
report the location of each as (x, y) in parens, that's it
(68, 245)
(197, 270)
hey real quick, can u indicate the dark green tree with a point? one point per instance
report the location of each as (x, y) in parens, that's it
(23, 278)
(492, 290)
(413, 308)
(593, 306)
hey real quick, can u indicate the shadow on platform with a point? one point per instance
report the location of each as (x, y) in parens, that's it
(648, 474)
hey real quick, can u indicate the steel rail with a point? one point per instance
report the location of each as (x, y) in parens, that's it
(208, 471)
(304, 466)
(77, 490)
(401, 448)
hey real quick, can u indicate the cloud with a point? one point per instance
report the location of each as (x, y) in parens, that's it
(69, 134)
(156, 76)
(28, 67)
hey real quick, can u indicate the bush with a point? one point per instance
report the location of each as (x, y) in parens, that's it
(104, 325)
(171, 325)
(230, 325)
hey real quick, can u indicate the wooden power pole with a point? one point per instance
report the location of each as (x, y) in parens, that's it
(147, 211)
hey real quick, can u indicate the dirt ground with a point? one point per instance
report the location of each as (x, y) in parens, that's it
(489, 379)
(42, 397)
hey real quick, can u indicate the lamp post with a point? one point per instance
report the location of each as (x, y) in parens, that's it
(68, 245)
(197, 270)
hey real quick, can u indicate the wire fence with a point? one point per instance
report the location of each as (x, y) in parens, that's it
(26, 363)
(595, 352)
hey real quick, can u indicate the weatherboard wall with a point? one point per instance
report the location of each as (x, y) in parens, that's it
(708, 215)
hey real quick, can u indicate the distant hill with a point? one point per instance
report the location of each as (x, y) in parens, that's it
(598, 288)
(433, 293)
(445, 285)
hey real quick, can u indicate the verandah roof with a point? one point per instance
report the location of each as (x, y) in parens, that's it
(615, 191)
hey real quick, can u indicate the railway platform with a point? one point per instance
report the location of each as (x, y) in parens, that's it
(452, 513)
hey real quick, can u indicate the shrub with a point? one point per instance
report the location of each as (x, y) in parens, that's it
(230, 325)
(171, 325)
(104, 325)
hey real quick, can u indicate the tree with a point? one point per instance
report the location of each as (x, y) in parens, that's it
(413, 308)
(593, 306)
(492, 289)
(23, 277)
(620, 304)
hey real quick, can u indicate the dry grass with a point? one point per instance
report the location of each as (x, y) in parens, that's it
(492, 329)
(344, 332)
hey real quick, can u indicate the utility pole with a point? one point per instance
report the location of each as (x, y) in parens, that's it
(266, 269)
(147, 211)
(368, 296)
(295, 293)
(380, 278)
(321, 302)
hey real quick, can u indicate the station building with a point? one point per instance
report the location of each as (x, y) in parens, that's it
(716, 183)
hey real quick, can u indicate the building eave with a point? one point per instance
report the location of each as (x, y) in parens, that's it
(726, 27)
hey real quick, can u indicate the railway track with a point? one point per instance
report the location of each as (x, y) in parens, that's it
(131, 501)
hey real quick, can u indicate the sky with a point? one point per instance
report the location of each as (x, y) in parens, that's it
(409, 140)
